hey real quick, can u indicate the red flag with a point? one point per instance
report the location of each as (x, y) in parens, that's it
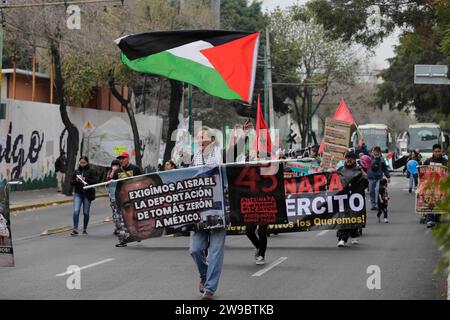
(342, 113)
(262, 144)
(390, 155)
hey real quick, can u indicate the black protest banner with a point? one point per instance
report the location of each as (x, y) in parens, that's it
(150, 205)
(256, 194)
(328, 200)
(6, 247)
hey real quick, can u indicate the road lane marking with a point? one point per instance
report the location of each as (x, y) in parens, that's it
(85, 267)
(321, 233)
(272, 265)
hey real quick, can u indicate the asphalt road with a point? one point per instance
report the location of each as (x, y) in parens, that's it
(300, 266)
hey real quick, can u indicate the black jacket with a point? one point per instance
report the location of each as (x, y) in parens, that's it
(431, 160)
(352, 179)
(87, 175)
(61, 165)
(129, 171)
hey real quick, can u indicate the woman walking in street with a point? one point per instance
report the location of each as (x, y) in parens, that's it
(82, 177)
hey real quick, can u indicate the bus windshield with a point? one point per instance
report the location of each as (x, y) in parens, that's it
(423, 138)
(375, 137)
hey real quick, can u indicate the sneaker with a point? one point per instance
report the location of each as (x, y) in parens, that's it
(208, 296)
(201, 285)
(74, 233)
(341, 243)
(410, 191)
(256, 253)
(121, 244)
(386, 220)
(430, 224)
(355, 241)
(260, 261)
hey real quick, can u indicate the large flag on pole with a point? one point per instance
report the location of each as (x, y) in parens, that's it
(222, 63)
(262, 143)
(342, 113)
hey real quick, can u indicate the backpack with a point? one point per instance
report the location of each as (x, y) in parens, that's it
(376, 164)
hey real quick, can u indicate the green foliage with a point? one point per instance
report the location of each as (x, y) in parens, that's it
(398, 88)
(348, 20)
(303, 54)
(79, 75)
(242, 15)
(443, 24)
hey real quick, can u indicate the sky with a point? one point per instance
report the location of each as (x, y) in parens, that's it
(382, 52)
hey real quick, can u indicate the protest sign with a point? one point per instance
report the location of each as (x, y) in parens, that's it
(429, 193)
(160, 203)
(6, 247)
(254, 197)
(335, 141)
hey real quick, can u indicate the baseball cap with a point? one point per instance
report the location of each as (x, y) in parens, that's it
(123, 154)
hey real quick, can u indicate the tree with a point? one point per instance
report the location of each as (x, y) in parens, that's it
(304, 57)
(370, 21)
(398, 88)
(242, 15)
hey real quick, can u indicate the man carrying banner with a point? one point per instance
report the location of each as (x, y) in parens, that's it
(436, 159)
(355, 180)
(125, 170)
(211, 241)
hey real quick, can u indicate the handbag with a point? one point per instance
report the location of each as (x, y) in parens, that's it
(4, 232)
(90, 194)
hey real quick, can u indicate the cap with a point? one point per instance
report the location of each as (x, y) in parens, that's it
(350, 154)
(123, 154)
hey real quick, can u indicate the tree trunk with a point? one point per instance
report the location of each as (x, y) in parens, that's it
(176, 91)
(126, 104)
(73, 138)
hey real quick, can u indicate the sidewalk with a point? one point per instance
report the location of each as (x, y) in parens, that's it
(33, 199)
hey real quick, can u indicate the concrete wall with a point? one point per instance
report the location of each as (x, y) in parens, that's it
(33, 134)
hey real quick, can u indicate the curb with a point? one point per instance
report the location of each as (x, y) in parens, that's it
(448, 288)
(56, 230)
(15, 208)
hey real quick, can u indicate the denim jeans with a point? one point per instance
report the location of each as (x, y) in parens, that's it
(78, 200)
(413, 180)
(374, 185)
(209, 266)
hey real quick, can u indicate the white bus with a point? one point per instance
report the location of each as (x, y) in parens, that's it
(423, 136)
(376, 134)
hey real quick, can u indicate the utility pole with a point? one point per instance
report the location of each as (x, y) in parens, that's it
(266, 93)
(215, 8)
(271, 123)
(309, 91)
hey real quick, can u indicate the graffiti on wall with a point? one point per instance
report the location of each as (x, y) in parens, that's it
(13, 151)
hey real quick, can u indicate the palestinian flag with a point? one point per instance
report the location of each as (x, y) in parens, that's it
(222, 63)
